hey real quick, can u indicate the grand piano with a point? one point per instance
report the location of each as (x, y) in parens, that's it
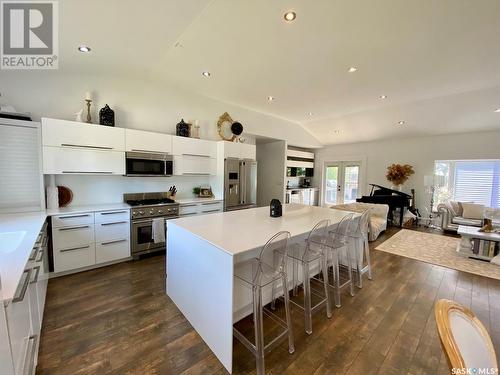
(393, 198)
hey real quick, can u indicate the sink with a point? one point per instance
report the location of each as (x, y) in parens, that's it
(10, 241)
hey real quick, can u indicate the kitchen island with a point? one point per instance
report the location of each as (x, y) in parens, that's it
(202, 252)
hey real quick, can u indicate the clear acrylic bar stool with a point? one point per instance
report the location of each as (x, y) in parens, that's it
(313, 252)
(337, 245)
(257, 273)
(360, 233)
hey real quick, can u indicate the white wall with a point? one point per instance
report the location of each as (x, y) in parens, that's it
(418, 152)
(271, 159)
(137, 102)
(110, 189)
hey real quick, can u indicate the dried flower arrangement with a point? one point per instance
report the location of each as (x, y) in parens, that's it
(398, 174)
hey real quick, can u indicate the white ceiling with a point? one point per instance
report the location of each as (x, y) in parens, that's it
(437, 61)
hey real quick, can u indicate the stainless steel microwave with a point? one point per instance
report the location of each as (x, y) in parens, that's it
(152, 164)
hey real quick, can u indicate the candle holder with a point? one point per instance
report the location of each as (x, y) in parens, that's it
(89, 118)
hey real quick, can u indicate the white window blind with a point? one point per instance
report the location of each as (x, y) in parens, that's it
(20, 184)
(475, 181)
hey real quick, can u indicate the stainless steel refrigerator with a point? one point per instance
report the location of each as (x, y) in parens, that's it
(240, 184)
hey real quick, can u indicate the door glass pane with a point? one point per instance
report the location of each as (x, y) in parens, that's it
(351, 183)
(144, 234)
(332, 173)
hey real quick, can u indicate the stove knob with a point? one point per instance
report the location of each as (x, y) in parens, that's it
(160, 211)
(151, 212)
(134, 213)
(141, 212)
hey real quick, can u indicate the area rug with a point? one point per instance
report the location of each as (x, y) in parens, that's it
(436, 249)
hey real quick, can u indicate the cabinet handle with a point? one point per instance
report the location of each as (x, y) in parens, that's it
(33, 254)
(24, 287)
(32, 339)
(196, 174)
(73, 216)
(112, 242)
(82, 172)
(40, 256)
(197, 155)
(74, 228)
(217, 210)
(210, 203)
(75, 248)
(113, 212)
(188, 214)
(84, 146)
(115, 223)
(188, 205)
(35, 279)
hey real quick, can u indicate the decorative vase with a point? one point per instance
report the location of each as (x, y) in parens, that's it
(107, 116)
(52, 194)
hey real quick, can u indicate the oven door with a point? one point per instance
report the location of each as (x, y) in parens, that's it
(147, 164)
(142, 237)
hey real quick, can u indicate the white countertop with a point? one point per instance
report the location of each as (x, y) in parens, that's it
(18, 234)
(236, 232)
(196, 200)
(90, 208)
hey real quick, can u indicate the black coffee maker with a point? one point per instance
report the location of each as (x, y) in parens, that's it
(276, 208)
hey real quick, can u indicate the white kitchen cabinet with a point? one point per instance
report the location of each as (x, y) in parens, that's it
(190, 165)
(139, 140)
(200, 208)
(239, 150)
(88, 239)
(183, 146)
(70, 258)
(107, 251)
(61, 160)
(62, 133)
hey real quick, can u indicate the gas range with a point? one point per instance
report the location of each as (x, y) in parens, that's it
(146, 208)
(149, 205)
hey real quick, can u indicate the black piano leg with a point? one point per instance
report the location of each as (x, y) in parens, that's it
(401, 217)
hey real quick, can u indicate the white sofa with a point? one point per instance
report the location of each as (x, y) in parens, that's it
(378, 215)
(451, 216)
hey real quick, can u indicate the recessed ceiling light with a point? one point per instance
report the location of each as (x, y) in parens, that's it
(84, 48)
(401, 122)
(271, 98)
(497, 110)
(310, 113)
(290, 16)
(206, 74)
(352, 69)
(383, 96)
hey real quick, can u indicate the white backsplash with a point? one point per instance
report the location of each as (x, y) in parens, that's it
(89, 190)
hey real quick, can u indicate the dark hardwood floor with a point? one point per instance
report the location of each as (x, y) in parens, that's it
(118, 320)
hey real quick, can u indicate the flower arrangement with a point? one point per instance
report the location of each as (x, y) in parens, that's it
(398, 174)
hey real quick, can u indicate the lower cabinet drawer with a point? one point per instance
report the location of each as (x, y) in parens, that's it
(67, 237)
(210, 207)
(19, 323)
(107, 251)
(74, 257)
(188, 209)
(112, 231)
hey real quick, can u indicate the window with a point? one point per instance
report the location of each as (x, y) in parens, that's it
(475, 181)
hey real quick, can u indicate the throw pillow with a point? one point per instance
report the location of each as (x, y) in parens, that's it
(461, 208)
(473, 211)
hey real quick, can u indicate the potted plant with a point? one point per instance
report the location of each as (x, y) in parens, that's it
(398, 174)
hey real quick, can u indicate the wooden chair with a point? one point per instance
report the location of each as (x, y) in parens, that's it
(464, 338)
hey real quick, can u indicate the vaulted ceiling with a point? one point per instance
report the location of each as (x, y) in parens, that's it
(438, 62)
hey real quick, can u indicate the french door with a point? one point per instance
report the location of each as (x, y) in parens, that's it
(342, 180)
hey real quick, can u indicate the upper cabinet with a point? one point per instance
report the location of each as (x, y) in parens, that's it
(139, 140)
(62, 133)
(239, 150)
(183, 146)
